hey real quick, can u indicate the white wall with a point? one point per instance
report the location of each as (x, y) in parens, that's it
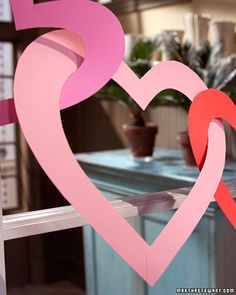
(150, 22)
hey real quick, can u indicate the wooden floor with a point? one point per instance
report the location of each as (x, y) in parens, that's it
(62, 288)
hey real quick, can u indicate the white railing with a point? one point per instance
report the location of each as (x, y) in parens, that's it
(50, 220)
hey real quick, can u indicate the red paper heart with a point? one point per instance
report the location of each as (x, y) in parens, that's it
(208, 105)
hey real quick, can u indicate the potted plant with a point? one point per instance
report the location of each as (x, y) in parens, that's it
(207, 61)
(140, 134)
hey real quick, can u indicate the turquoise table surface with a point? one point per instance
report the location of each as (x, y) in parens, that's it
(200, 263)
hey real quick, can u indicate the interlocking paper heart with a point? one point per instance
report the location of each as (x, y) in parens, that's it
(37, 92)
(101, 31)
(212, 104)
(103, 38)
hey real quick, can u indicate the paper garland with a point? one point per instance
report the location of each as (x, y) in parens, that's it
(65, 67)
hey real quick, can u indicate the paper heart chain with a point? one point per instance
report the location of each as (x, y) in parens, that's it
(37, 92)
(209, 105)
(59, 79)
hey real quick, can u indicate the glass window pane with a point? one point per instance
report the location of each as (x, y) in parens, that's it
(8, 154)
(9, 192)
(7, 134)
(6, 58)
(5, 11)
(6, 86)
(9, 176)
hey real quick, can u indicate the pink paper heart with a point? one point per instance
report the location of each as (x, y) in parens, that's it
(103, 39)
(165, 75)
(59, 41)
(37, 92)
(100, 29)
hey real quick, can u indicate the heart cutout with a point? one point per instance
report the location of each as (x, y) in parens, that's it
(165, 75)
(103, 39)
(221, 106)
(37, 94)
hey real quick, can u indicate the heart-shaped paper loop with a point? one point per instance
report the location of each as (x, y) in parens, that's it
(103, 40)
(100, 29)
(165, 75)
(37, 92)
(59, 41)
(209, 105)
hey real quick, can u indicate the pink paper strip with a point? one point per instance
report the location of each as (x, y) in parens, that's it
(97, 30)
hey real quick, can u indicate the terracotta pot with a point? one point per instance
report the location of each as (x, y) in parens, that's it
(141, 139)
(184, 142)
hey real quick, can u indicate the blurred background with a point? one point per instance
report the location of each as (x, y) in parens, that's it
(198, 33)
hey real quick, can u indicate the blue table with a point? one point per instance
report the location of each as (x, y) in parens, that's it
(207, 260)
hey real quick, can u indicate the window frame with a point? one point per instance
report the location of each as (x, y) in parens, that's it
(19, 39)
